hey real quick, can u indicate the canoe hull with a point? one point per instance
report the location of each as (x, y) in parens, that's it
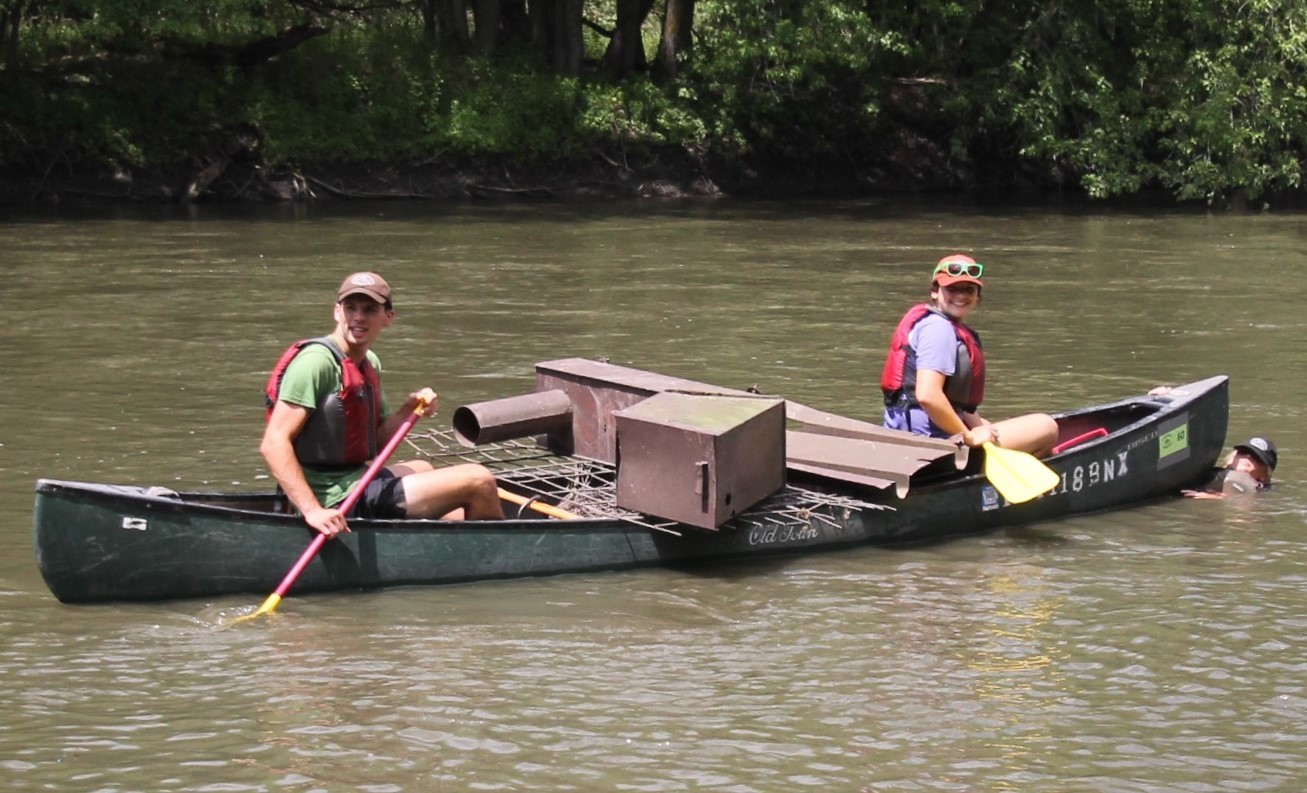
(111, 543)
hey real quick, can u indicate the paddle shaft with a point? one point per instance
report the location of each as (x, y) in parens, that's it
(542, 508)
(345, 507)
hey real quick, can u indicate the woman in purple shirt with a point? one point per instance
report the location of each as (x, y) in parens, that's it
(934, 378)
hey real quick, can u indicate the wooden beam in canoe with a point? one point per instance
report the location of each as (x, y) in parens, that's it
(824, 423)
(873, 463)
(598, 390)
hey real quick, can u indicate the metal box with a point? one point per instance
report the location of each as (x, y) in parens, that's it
(700, 459)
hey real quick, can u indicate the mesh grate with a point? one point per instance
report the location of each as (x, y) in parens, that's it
(587, 487)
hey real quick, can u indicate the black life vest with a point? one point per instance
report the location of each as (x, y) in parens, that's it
(1232, 482)
(342, 429)
(965, 388)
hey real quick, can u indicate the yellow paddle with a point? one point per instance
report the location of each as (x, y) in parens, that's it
(1016, 475)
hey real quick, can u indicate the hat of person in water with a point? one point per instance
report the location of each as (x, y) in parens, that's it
(1262, 449)
(370, 284)
(957, 268)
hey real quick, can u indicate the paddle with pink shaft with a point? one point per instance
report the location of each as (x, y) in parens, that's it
(270, 604)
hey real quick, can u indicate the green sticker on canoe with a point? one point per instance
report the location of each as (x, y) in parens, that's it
(1173, 441)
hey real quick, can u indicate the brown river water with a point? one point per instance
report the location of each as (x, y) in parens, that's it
(1159, 648)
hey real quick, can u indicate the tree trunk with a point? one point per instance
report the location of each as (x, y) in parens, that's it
(556, 25)
(486, 14)
(429, 25)
(625, 53)
(11, 23)
(454, 36)
(674, 45)
(514, 22)
(570, 46)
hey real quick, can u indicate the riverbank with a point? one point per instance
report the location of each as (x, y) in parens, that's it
(254, 183)
(236, 177)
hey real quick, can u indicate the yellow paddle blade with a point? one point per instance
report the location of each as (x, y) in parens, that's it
(1016, 475)
(274, 600)
(269, 606)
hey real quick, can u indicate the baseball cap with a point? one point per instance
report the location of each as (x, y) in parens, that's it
(957, 268)
(370, 284)
(1262, 449)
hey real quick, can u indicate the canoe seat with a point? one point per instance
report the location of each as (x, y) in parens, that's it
(1096, 432)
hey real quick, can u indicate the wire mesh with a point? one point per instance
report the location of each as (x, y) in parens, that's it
(588, 487)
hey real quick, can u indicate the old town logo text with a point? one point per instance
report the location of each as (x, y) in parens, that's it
(780, 535)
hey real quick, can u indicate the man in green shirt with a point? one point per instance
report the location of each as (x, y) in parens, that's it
(329, 417)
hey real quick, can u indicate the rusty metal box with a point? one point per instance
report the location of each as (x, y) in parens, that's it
(699, 459)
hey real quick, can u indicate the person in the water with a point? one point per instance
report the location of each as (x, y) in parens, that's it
(1247, 470)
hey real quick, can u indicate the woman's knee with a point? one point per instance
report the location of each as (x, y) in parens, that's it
(1034, 432)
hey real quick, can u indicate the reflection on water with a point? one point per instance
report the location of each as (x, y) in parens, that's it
(1150, 649)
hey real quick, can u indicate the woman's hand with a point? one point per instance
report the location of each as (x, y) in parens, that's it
(981, 434)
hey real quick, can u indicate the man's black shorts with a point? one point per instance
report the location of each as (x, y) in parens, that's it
(383, 499)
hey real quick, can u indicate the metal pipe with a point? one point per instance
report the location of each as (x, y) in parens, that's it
(513, 417)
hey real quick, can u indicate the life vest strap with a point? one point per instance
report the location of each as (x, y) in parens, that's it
(902, 399)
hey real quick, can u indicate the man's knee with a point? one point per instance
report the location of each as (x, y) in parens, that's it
(484, 478)
(471, 478)
(462, 482)
(409, 467)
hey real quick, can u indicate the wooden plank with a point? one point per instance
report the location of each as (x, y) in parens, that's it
(825, 423)
(598, 390)
(601, 372)
(887, 460)
(845, 476)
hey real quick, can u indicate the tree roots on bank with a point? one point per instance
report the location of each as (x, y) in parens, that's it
(222, 180)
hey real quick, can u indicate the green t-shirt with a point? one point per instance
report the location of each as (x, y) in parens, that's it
(311, 376)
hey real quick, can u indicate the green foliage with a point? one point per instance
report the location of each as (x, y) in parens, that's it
(1239, 121)
(338, 101)
(1204, 98)
(341, 99)
(97, 81)
(497, 110)
(789, 79)
(642, 114)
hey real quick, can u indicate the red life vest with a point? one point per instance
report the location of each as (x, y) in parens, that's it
(965, 388)
(342, 429)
